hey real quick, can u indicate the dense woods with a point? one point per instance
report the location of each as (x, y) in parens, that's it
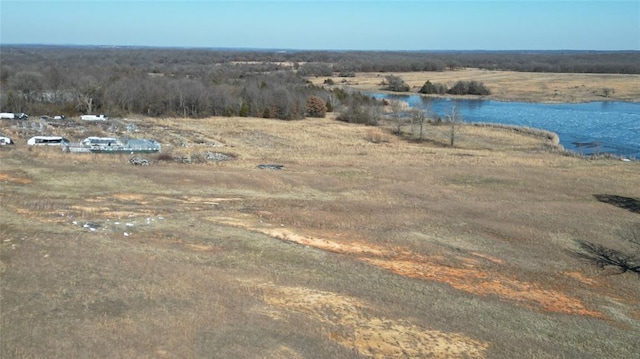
(205, 82)
(120, 82)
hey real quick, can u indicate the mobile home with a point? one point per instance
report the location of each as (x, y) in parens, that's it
(47, 141)
(94, 117)
(13, 116)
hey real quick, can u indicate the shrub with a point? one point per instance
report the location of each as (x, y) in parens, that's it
(468, 88)
(430, 88)
(356, 113)
(375, 135)
(340, 94)
(164, 157)
(266, 113)
(329, 105)
(396, 84)
(244, 109)
(315, 107)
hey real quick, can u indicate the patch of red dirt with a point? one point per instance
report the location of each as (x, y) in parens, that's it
(19, 180)
(580, 278)
(470, 277)
(485, 283)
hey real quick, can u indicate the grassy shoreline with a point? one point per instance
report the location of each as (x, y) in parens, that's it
(512, 86)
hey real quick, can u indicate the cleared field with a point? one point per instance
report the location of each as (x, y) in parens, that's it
(354, 249)
(515, 86)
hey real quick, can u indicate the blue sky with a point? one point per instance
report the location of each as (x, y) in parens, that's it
(328, 25)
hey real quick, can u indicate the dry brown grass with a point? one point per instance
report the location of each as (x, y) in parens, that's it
(354, 249)
(515, 86)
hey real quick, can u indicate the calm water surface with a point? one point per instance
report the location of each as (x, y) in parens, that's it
(588, 128)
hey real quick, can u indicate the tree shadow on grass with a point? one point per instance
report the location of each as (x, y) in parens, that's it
(605, 257)
(628, 203)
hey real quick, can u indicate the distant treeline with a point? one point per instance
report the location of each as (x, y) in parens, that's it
(178, 60)
(623, 62)
(201, 82)
(118, 82)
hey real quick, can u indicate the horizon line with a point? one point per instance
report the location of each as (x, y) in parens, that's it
(239, 48)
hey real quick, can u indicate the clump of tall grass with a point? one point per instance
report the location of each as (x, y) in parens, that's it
(376, 135)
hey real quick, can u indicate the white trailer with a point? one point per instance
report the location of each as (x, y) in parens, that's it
(94, 117)
(47, 141)
(13, 116)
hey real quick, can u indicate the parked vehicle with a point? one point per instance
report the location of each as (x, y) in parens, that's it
(47, 141)
(94, 118)
(13, 116)
(5, 141)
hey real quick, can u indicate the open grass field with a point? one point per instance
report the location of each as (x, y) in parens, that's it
(354, 249)
(515, 86)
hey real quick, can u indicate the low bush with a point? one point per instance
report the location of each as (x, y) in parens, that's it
(468, 88)
(359, 114)
(375, 135)
(430, 88)
(316, 107)
(164, 157)
(396, 84)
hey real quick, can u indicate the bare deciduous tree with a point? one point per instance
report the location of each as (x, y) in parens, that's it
(55, 80)
(87, 90)
(418, 118)
(397, 118)
(454, 119)
(28, 83)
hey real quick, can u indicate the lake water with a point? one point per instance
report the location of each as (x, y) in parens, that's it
(593, 127)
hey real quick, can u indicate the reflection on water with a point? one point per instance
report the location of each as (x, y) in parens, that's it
(594, 127)
(605, 105)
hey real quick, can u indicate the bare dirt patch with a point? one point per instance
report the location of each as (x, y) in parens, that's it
(372, 336)
(471, 277)
(14, 179)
